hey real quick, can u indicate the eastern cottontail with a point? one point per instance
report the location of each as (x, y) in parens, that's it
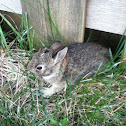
(59, 65)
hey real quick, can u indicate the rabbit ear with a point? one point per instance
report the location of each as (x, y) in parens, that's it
(60, 55)
(56, 46)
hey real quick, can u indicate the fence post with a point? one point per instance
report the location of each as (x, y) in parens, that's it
(46, 16)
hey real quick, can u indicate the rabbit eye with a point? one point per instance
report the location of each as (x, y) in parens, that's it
(39, 67)
(46, 51)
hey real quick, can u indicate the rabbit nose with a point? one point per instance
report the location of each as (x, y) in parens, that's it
(39, 67)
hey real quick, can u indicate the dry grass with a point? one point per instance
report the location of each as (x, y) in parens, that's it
(95, 101)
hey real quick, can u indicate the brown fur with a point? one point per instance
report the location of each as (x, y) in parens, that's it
(75, 61)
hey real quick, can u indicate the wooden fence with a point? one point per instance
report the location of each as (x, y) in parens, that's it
(102, 15)
(68, 17)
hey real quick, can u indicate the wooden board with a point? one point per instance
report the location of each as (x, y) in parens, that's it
(68, 15)
(106, 15)
(13, 18)
(11, 6)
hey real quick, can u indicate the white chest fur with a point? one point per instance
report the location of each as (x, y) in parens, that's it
(51, 78)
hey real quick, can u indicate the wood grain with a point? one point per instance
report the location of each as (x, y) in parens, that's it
(106, 15)
(11, 6)
(68, 15)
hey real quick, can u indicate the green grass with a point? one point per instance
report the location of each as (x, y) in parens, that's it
(100, 100)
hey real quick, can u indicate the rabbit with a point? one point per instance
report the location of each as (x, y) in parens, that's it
(60, 65)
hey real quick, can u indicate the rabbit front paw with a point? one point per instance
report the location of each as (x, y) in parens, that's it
(47, 92)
